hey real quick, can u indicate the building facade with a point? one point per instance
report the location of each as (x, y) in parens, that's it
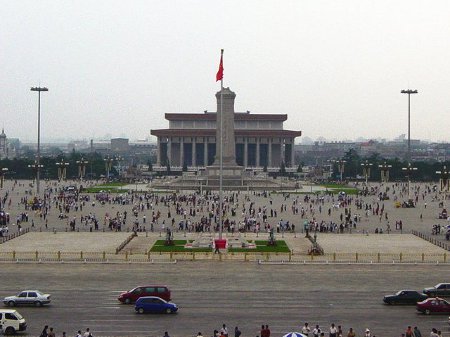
(260, 140)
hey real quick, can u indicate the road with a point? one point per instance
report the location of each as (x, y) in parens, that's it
(209, 294)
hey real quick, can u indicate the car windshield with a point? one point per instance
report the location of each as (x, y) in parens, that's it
(39, 293)
(19, 316)
(399, 292)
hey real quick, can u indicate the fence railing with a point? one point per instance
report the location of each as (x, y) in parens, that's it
(157, 257)
(431, 239)
(13, 235)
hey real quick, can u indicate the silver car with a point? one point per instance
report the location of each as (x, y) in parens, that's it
(28, 297)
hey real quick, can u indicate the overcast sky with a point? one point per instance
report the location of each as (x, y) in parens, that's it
(113, 68)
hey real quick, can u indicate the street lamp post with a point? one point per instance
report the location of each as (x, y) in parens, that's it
(408, 172)
(2, 175)
(108, 165)
(82, 167)
(341, 165)
(38, 163)
(409, 92)
(384, 169)
(62, 169)
(366, 170)
(36, 168)
(444, 185)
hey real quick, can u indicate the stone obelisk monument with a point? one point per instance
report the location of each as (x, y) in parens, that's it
(232, 173)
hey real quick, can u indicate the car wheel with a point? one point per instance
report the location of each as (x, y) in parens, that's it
(38, 304)
(427, 312)
(10, 331)
(11, 303)
(127, 301)
(168, 311)
(141, 310)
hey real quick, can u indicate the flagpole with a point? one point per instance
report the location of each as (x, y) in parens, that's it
(221, 156)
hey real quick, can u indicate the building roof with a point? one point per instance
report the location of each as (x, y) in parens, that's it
(238, 116)
(212, 133)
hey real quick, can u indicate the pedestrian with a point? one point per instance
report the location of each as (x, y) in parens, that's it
(199, 334)
(409, 332)
(333, 330)
(87, 333)
(306, 329)
(44, 332)
(367, 333)
(351, 333)
(51, 333)
(316, 331)
(267, 331)
(166, 334)
(224, 330)
(417, 332)
(79, 334)
(64, 334)
(237, 332)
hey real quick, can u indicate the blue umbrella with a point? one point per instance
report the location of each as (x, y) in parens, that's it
(294, 334)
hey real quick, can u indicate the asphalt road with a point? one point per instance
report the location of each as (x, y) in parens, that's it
(209, 294)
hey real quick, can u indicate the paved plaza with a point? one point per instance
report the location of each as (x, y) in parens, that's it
(53, 233)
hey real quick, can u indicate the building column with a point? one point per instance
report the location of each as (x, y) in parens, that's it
(158, 152)
(282, 152)
(292, 153)
(194, 152)
(245, 152)
(269, 155)
(169, 151)
(205, 151)
(181, 151)
(258, 141)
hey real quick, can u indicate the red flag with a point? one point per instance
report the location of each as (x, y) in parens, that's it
(219, 75)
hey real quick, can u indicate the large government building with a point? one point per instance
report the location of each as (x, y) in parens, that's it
(260, 139)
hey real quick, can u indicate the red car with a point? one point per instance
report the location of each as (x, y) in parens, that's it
(434, 305)
(132, 295)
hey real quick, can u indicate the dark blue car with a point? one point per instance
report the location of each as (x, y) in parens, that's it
(154, 304)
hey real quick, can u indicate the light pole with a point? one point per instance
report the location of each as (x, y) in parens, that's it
(409, 92)
(408, 172)
(2, 175)
(62, 169)
(341, 165)
(119, 159)
(384, 169)
(108, 165)
(36, 168)
(38, 163)
(82, 167)
(366, 169)
(444, 185)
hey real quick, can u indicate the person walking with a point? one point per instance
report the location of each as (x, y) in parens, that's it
(237, 332)
(306, 329)
(351, 333)
(416, 332)
(44, 332)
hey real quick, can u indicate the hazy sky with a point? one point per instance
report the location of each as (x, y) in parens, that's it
(113, 68)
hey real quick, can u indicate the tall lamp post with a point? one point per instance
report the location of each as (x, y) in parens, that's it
(444, 185)
(108, 165)
(2, 175)
(341, 165)
(82, 167)
(62, 169)
(384, 169)
(36, 168)
(409, 92)
(408, 172)
(38, 163)
(366, 170)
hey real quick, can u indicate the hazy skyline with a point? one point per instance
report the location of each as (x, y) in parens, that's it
(336, 68)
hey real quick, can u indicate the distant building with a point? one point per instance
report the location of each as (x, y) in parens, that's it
(260, 139)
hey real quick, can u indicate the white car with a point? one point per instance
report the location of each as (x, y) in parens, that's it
(28, 297)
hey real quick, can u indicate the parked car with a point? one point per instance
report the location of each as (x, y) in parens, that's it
(405, 297)
(11, 322)
(28, 297)
(154, 304)
(134, 294)
(439, 290)
(434, 305)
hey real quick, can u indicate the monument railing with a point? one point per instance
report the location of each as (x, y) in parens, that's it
(260, 257)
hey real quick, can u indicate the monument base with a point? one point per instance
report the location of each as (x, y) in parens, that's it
(231, 176)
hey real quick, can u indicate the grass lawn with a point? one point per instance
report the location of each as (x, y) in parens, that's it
(261, 247)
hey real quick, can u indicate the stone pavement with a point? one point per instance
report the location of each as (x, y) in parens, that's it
(420, 218)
